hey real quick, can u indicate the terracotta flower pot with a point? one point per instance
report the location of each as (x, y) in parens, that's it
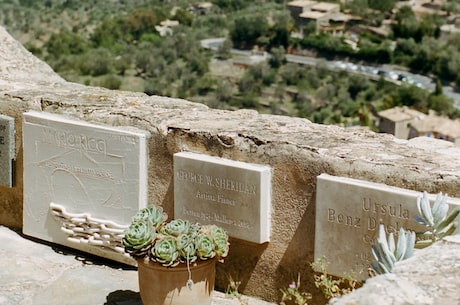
(161, 285)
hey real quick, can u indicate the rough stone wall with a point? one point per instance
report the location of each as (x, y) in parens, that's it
(430, 277)
(297, 149)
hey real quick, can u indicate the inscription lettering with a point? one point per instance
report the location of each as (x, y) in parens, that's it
(205, 196)
(219, 198)
(123, 138)
(2, 140)
(220, 218)
(372, 206)
(342, 219)
(98, 173)
(78, 141)
(2, 127)
(218, 182)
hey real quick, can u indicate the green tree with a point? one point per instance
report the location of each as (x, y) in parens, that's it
(382, 5)
(224, 90)
(96, 62)
(140, 22)
(278, 57)
(110, 81)
(224, 50)
(183, 16)
(111, 32)
(64, 43)
(247, 30)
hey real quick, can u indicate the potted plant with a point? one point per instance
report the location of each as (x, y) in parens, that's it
(176, 259)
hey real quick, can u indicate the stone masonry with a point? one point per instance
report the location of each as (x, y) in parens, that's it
(296, 149)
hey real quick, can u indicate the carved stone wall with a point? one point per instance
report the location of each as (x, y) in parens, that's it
(296, 149)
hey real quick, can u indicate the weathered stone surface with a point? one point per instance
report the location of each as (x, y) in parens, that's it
(430, 277)
(296, 149)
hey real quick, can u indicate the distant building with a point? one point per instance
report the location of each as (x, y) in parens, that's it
(326, 16)
(202, 8)
(425, 7)
(165, 27)
(438, 127)
(448, 30)
(406, 123)
(298, 7)
(398, 121)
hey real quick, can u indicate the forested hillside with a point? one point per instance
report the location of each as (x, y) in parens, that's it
(118, 44)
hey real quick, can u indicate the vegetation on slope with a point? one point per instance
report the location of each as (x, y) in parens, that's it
(115, 44)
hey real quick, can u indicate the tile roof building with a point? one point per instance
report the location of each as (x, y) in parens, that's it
(406, 123)
(398, 120)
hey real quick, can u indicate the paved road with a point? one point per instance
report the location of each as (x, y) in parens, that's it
(395, 74)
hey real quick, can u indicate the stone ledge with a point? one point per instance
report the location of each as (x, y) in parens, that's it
(430, 277)
(33, 273)
(296, 149)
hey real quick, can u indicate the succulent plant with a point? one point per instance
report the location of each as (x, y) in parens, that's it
(174, 242)
(165, 251)
(154, 214)
(220, 238)
(138, 238)
(204, 246)
(176, 227)
(387, 252)
(435, 218)
(186, 246)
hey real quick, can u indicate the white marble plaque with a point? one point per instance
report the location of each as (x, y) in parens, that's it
(6, 150)
(348, 214)
(82, 182)
(234, 195)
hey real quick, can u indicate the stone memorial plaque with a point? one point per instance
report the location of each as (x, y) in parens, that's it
(231, 194)
(348, 214)
(82, 182)
(6, 150)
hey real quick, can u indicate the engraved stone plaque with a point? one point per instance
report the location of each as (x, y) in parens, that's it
(82, 182)
(348, 214)
(6, 150)
(231, 194)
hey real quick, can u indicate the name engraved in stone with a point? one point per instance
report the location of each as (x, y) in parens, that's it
(372, 207)
(397, 210)
(219, 183)
(347, 220)
(349, 212)
(2, 140)
(235, 195)
(2, 127)
(78, 141)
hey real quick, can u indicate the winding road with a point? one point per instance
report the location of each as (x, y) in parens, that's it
(391, 73)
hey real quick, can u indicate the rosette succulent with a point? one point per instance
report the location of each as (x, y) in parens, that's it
(176, 227)
(165, 251)
(153, 214)
(138, 238)
(220, 239)
(205, 248)
(174, 242)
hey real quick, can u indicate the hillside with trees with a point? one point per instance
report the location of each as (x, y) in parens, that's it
(119, 44)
